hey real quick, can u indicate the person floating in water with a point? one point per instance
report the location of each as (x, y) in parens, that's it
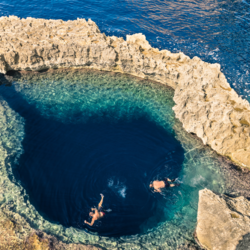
(98, 212)
(158, 185)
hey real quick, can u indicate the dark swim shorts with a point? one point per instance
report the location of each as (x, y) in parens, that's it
(166, 183)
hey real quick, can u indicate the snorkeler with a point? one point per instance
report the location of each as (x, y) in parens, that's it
(158, 185)
(98, 213)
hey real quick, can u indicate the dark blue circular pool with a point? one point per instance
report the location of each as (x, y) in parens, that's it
(116, 149)
(65, 167)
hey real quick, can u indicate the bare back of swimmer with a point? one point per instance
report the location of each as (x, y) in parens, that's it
(97, 214)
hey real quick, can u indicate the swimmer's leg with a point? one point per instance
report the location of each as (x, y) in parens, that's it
(100, 203)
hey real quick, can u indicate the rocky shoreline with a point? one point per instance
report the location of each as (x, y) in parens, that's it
(205, 102)
(206, 105)
(17, 234)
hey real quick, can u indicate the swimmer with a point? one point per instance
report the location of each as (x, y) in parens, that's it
(158, 185)
(97, 214)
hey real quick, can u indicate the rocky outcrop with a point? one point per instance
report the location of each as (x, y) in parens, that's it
(205, 103)
(222, 221)
(16, 234)
(216, 114)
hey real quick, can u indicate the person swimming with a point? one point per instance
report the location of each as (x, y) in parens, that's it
(98, 213)
(165, 183)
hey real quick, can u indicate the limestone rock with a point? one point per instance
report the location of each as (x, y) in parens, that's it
(16, 234)
(222, 221)
(205, 103)
(215, 113)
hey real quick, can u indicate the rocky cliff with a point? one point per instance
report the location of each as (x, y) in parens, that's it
(205, 103)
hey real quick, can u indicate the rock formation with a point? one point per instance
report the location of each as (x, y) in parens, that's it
(205, 103)
(222, 221)
(16, 234)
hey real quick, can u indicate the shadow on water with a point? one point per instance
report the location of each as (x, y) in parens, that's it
(66, 166)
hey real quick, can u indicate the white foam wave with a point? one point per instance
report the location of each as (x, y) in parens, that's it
(122, 191)
(117, 187)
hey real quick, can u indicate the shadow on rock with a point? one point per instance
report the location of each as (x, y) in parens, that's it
(244, 244)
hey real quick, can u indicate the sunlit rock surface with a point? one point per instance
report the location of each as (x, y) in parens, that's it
(205, 103)
(222, 221)
(16, 234)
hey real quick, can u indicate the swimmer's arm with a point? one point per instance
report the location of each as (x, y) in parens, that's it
(92, 222)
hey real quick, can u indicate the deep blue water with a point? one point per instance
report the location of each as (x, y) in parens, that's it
(215, 30)
(65, 167)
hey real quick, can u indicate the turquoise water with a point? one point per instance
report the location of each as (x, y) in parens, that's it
(88, 100)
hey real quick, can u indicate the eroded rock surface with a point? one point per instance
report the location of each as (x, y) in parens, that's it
(222, 221)
(16, 234)
(205, 103)
(215, 113)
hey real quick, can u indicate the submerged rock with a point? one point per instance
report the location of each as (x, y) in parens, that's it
(205, 103)
(222, 221)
